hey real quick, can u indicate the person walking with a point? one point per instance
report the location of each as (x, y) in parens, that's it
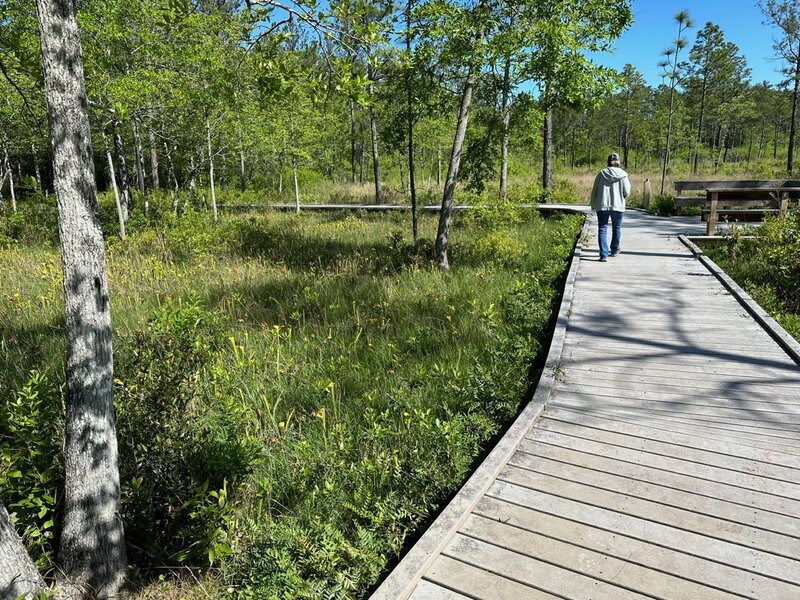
(611, 187)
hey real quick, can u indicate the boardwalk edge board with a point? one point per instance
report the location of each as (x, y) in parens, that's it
(775, 330)
(400, 583)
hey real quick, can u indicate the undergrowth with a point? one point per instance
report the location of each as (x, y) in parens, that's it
(767, 266)
(295, 395)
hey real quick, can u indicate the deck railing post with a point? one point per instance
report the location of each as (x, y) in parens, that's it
(711, 226)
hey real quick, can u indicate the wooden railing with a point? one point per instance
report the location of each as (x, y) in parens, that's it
(737, 200)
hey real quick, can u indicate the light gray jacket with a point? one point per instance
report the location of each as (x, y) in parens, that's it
(611, 187)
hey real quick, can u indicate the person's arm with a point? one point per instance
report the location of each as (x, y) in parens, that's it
(626, 186)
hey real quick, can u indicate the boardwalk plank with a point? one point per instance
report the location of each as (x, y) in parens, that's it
(632, 455)
(480, 584)
(787, 508)
(733, 532)
(782, 451)
(677, 404)
(427, 590)
(684, 414)
(734, 555)
(710, 574)
(535, 573)
(657, 491)
(597, 565)
(719, 455)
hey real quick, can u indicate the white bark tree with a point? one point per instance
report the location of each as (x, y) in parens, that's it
(91, 555)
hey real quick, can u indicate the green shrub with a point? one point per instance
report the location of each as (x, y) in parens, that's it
(179, 449)
(663, 205)
(31, 472)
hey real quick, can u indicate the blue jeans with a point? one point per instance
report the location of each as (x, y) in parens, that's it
(602, 228)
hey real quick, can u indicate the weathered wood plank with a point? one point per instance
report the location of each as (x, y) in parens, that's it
(689, 542)
(686, 402)
(660, 494)
(716, 454)
(535, 573)
(656, 557)
(712, 473)
(729, 531)
(691, 413)
(427, 590)
(480, 584)
(765, 510)
(597, 565)
(689, 428)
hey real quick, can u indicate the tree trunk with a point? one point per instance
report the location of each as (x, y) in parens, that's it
(36, 167)
(211, 172)
(296, 187)
(547, 149)
(445, 214)
(438, 167)
(154, 161)
(113, 177)
(412, 186)
(173, 181)
(373, 128)
(506, 117)
(352, 142)
(123, 170)
(91, 554)
(242, 170)
(139, 158)
(18, 574)
(626, 145)
(361, 156)
(793, 117)
(10, 181)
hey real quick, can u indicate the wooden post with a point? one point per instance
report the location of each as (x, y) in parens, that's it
(711, 225)
(646, 194)
(784, 205)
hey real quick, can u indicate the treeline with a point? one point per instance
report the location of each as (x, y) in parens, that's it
(185, 92)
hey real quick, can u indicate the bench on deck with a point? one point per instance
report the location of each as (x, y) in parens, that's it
(737, 200)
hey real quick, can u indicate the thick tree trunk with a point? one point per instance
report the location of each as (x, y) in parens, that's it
(18, 575)
(154, 161)
(547, 149)
(445, 214)
(91, 554)
(212, 192)
(373, 129)
(113, 177)
(139, 158)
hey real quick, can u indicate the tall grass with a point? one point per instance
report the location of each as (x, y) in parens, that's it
(295, 394)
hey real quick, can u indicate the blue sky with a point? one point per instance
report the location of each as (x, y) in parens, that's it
(654, 29)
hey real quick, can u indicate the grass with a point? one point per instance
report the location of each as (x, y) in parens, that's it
(295, 394)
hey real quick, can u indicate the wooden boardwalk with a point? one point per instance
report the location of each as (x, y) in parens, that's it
(660, 457)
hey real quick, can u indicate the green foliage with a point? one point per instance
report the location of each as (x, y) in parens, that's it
(663, 205)
(179, 448)
(31, 432)
(297, 399)
(768, 267)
